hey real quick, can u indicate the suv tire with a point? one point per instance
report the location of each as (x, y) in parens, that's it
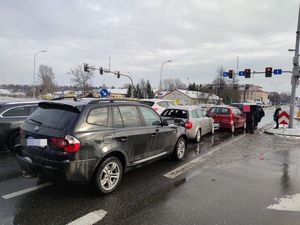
(108, 175)
(180, 149)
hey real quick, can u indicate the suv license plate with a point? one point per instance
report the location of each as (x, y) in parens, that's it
(37, 142)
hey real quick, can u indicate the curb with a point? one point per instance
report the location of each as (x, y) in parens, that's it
(281, 134)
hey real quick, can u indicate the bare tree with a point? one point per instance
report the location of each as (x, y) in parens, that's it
(47, 78)
(80, 77)
(171, 84)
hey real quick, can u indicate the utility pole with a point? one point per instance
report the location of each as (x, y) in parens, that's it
(296, 74)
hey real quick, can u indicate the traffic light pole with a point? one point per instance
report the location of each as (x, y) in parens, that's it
(296, 74)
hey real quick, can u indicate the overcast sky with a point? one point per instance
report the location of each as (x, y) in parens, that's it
(197, 35)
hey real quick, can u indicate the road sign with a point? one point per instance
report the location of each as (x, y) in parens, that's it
(104, 93)
(277, 71)
(241, 73)
(284, 118)
(225, 74)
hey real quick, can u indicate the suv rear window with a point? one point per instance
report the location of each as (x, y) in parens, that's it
(176, 113)
(219, 110)
(52, 117)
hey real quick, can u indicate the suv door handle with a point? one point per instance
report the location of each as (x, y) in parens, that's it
(123, 139)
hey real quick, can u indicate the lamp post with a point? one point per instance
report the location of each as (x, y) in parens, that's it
(35, 54)
(160, 83)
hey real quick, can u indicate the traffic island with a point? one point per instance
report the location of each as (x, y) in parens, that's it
(295, 132)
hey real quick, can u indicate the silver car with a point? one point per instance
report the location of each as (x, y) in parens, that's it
(193, 118)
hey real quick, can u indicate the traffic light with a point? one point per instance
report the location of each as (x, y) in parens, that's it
(268, 72)
(118, 74)
(230, 74)
(247, 73)
(86, 67)
(101, 71)
(247, 86)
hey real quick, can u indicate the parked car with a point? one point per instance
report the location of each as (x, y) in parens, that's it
(159, 105)
(12, 116)
(193, 118)
(227, 117)
(95, 141)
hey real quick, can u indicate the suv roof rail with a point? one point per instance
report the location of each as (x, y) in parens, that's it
(110, 100)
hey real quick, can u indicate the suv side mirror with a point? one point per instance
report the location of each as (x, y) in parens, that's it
(164, 123)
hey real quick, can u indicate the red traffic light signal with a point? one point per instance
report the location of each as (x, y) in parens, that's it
(230, 73)
(86, 67)
(247, 73)
(268, 72)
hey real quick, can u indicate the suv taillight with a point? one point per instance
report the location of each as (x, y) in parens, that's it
(188, 125)
(68, 144)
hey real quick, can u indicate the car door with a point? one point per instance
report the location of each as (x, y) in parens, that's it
(205, 121)
(131, 136)
(160, 138)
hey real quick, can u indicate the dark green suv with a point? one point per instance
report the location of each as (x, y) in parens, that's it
(95, 141)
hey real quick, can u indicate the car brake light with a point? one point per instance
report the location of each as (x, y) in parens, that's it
(188, 125)
(68, 144)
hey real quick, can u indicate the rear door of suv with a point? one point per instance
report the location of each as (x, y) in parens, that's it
(131, 136)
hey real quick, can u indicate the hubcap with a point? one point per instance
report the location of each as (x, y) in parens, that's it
(110, 176)
(180, 149)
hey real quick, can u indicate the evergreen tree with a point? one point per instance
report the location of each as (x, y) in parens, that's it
(149, 90)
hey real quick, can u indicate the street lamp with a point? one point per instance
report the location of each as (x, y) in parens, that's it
(35, 54)
(160, 83)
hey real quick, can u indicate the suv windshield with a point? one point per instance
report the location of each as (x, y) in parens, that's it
(51, 117)
(176, 113)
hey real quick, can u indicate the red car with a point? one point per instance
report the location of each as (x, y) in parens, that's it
(227, 117)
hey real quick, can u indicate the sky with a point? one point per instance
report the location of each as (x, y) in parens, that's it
(198, 36)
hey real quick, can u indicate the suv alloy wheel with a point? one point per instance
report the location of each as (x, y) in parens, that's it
(108, 175)
(180, 149)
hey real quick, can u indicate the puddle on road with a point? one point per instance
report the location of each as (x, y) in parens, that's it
(209, 141)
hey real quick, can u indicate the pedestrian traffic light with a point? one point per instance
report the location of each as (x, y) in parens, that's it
(118, 74)
(247, 73)
(230, 74)
(268, 72)
(86, 67)
(247, 86)
(101, 71)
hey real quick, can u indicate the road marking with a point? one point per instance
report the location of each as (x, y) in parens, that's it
(27, 190)
(90, 218)
(287, 203)
(189, 165)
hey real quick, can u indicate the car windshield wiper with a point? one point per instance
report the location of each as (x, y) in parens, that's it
(38, 122)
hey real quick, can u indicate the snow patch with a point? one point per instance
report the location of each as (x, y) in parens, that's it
(287, 203)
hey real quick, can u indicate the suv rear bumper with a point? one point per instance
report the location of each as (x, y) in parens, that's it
(80, 171)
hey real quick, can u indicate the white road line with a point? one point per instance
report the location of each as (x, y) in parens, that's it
(27, 190)
(90, 218)
(287, 203)
(187, 166)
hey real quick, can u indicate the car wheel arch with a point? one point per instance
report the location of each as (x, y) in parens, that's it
(113, 153)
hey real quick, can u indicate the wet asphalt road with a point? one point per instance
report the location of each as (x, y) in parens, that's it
(234, 183)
